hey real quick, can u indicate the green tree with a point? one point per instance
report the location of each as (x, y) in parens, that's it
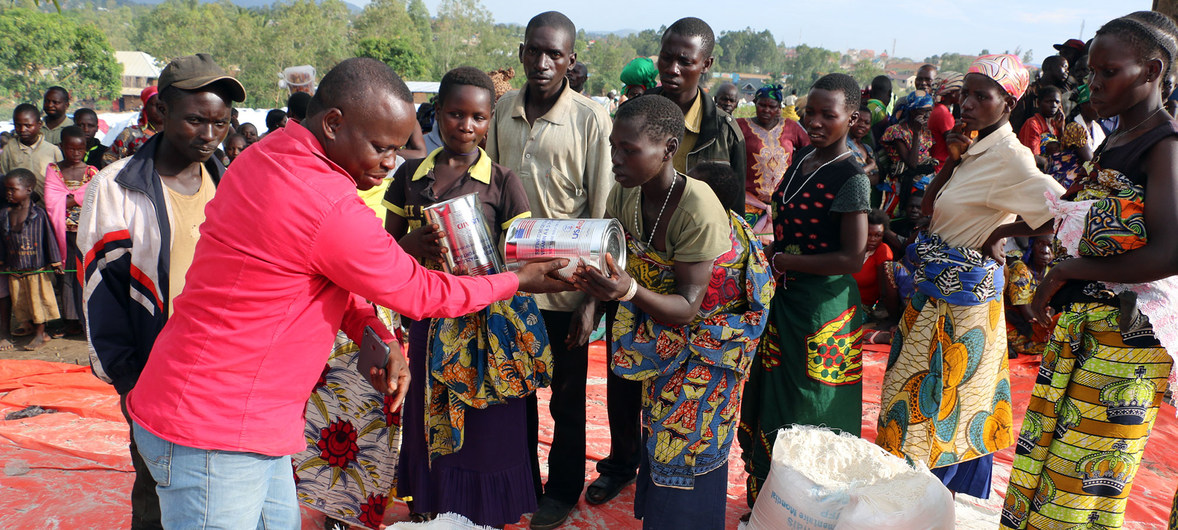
(808, 64)
(41, 50)
(115, 20)
(398, 53)
(460, 31)
(605, 57)
(422, 26)
(954, 62)
(383, 19)
(646, 43)
(864, 71)
(296, 33)
(748, 51)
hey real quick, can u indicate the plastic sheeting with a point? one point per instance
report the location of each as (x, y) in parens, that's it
(70, 469)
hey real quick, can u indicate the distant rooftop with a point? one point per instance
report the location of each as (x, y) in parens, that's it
(138, 64)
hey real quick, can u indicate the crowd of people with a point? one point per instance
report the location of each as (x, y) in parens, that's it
(225, 279)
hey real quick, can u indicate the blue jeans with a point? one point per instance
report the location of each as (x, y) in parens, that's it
(206, 489)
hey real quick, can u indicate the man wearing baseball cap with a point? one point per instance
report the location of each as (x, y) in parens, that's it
(1076, 52)
(1072, 49)
(138, 231)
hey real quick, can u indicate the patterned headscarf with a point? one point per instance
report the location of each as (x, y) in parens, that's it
(1006, 70)
(915, 100)
(769, 91)
(918, 99)
(950, 82)
(640, 71)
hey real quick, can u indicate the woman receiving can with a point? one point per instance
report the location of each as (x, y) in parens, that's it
(691, 309)
(465, 446)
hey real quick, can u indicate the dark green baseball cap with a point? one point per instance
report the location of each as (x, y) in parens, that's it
(192, 72)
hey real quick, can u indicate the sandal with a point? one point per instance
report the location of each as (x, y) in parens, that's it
(605, 488)
(22, 331)
(878, 337)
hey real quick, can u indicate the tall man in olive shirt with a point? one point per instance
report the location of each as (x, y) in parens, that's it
(557, 142)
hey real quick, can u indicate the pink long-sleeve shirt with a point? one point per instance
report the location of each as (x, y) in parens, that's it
(288, 255)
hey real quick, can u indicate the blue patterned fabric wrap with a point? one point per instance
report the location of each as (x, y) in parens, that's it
(692, 374)
(958, 275)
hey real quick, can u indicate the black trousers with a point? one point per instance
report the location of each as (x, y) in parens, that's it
(145, 503)
(624, 408)
(566, 459)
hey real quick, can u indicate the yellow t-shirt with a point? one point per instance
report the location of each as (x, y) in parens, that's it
(692, 121)
(188, 213)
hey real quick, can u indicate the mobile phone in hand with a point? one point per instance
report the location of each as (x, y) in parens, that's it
(374, 353)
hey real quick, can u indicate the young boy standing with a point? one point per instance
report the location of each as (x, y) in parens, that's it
(32, 152)
(1049, 119)
(29, 251)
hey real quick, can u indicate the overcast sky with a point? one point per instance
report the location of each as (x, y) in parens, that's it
(921, 28)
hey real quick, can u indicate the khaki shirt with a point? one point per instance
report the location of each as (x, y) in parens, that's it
(563, 160)
(691, 122)
(34, 158)
(52, 135)
(995, 181)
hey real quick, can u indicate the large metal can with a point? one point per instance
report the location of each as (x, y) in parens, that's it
(470, 251)
(579, 240)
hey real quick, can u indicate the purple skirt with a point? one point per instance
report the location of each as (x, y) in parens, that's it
(488, 481)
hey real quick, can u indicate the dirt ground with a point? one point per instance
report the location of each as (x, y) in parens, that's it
(70, 349)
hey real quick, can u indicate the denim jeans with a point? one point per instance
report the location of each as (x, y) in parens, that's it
(206, 489)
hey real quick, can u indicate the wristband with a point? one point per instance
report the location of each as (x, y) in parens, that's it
(773, 265)
(633, 290)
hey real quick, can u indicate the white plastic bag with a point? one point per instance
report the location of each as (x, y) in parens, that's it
(820, 480)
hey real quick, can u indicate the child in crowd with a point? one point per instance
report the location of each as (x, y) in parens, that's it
(234, 145)
(907, 151)
(465, 449)
(870, 277)
(1049, 119)
(250, 133)
(899, 231)
(696, 279)
(809, 369)
(29, 251)
(87, 119)
(858, 141)
(65, 191)
(1023, 274)
(275, 119)
(724, 183)
(1066, 154)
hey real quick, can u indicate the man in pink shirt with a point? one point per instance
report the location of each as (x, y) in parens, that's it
(288, 254)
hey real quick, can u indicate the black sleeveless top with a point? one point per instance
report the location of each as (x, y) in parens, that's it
(1129, 160)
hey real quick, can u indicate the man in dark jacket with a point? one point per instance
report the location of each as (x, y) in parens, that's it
(138, 230)
(711, 136)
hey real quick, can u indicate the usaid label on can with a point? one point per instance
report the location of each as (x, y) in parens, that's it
(579, 240)
(469, 248)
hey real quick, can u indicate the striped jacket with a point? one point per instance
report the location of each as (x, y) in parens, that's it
(124, 238)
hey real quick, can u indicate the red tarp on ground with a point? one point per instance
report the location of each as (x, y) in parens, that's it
(71, 469)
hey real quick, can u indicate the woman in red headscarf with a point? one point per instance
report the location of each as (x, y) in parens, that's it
(150, 121)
